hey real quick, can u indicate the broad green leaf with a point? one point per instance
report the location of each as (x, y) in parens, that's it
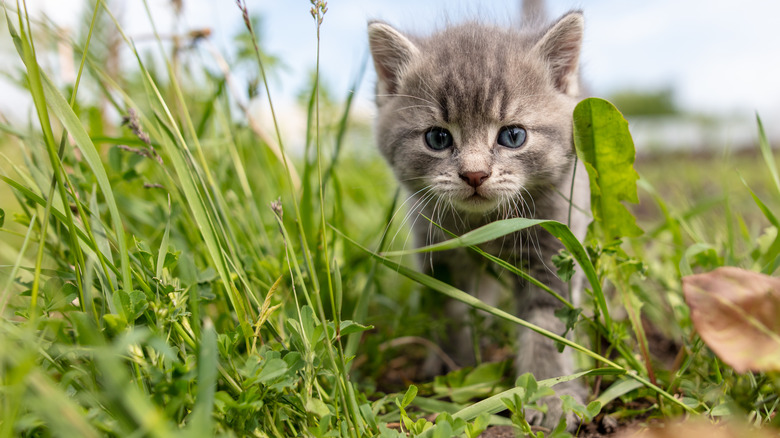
(117, 323)
(442, 430)
(349, 327)
(309, 323)
(737, 314)
(569, 317)
(411, 393)
(533, 391)
(605, 146)
(317, 407)
(479, 425)
(564, 264)
(272, 370)
(131, 304)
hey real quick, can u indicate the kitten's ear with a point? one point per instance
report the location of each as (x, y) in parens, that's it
(560, 47)
(392, 52)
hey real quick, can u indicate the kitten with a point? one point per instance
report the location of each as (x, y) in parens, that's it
(475, 121)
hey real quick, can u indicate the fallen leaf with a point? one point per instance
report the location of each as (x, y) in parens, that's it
(698, 429)
(737, 314)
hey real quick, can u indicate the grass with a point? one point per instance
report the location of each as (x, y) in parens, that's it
(179, 272)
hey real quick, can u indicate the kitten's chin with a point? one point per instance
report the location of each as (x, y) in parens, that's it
(475, 204)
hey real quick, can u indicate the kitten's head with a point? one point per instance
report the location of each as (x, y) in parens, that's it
(478, 115)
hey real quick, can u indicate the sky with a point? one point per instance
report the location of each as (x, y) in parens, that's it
(720, 56)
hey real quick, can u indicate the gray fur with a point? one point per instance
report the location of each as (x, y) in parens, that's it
(473, 79)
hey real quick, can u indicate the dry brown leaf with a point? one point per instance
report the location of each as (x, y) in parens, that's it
(737, 314)
(699, 429)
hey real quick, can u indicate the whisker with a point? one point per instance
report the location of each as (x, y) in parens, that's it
(415, 106)
(427, 191)
(433, 103)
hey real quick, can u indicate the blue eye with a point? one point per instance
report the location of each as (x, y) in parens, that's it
(438, 139)
(511, 136)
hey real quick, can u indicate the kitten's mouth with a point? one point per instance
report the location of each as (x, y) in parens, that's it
(476, 203)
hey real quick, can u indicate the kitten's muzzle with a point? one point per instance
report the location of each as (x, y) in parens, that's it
(474, 179)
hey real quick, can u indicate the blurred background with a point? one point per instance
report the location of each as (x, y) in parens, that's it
(189, 165)
(688, 75)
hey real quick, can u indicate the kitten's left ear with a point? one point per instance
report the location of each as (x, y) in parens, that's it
(392, 52)
(560, 47)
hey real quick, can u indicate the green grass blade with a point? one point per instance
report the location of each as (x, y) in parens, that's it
(501, 228)
(6, 292)
(621, 387)
(766, 151)
(26, 50)
(37, 199)
(774, 249)
(174, 145)
(474, 302)
(202, 423)
(65, 114)
(64, 416)
(47, 96)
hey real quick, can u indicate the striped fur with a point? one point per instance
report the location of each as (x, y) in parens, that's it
(472, 80)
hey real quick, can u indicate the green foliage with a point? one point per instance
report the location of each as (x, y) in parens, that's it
(646, 103)
(180, 273)
(605, 147)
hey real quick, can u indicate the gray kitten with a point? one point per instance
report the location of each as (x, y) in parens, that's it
(475, 120)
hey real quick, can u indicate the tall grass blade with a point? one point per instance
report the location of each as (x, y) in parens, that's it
(63, 111)
(766, 151)
(6, 292)
(501, 228)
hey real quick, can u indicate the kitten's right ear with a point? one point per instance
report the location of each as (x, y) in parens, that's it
(392, 52)
(560, 48)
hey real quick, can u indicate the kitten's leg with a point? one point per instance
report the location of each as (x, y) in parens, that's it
(467, 274)
(539, 355)
(462, 342)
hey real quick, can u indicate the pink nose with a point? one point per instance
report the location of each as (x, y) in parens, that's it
(474, 179)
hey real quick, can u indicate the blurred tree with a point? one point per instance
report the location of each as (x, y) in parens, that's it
(657, 102)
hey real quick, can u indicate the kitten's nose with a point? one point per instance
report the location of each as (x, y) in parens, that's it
(474, 179)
